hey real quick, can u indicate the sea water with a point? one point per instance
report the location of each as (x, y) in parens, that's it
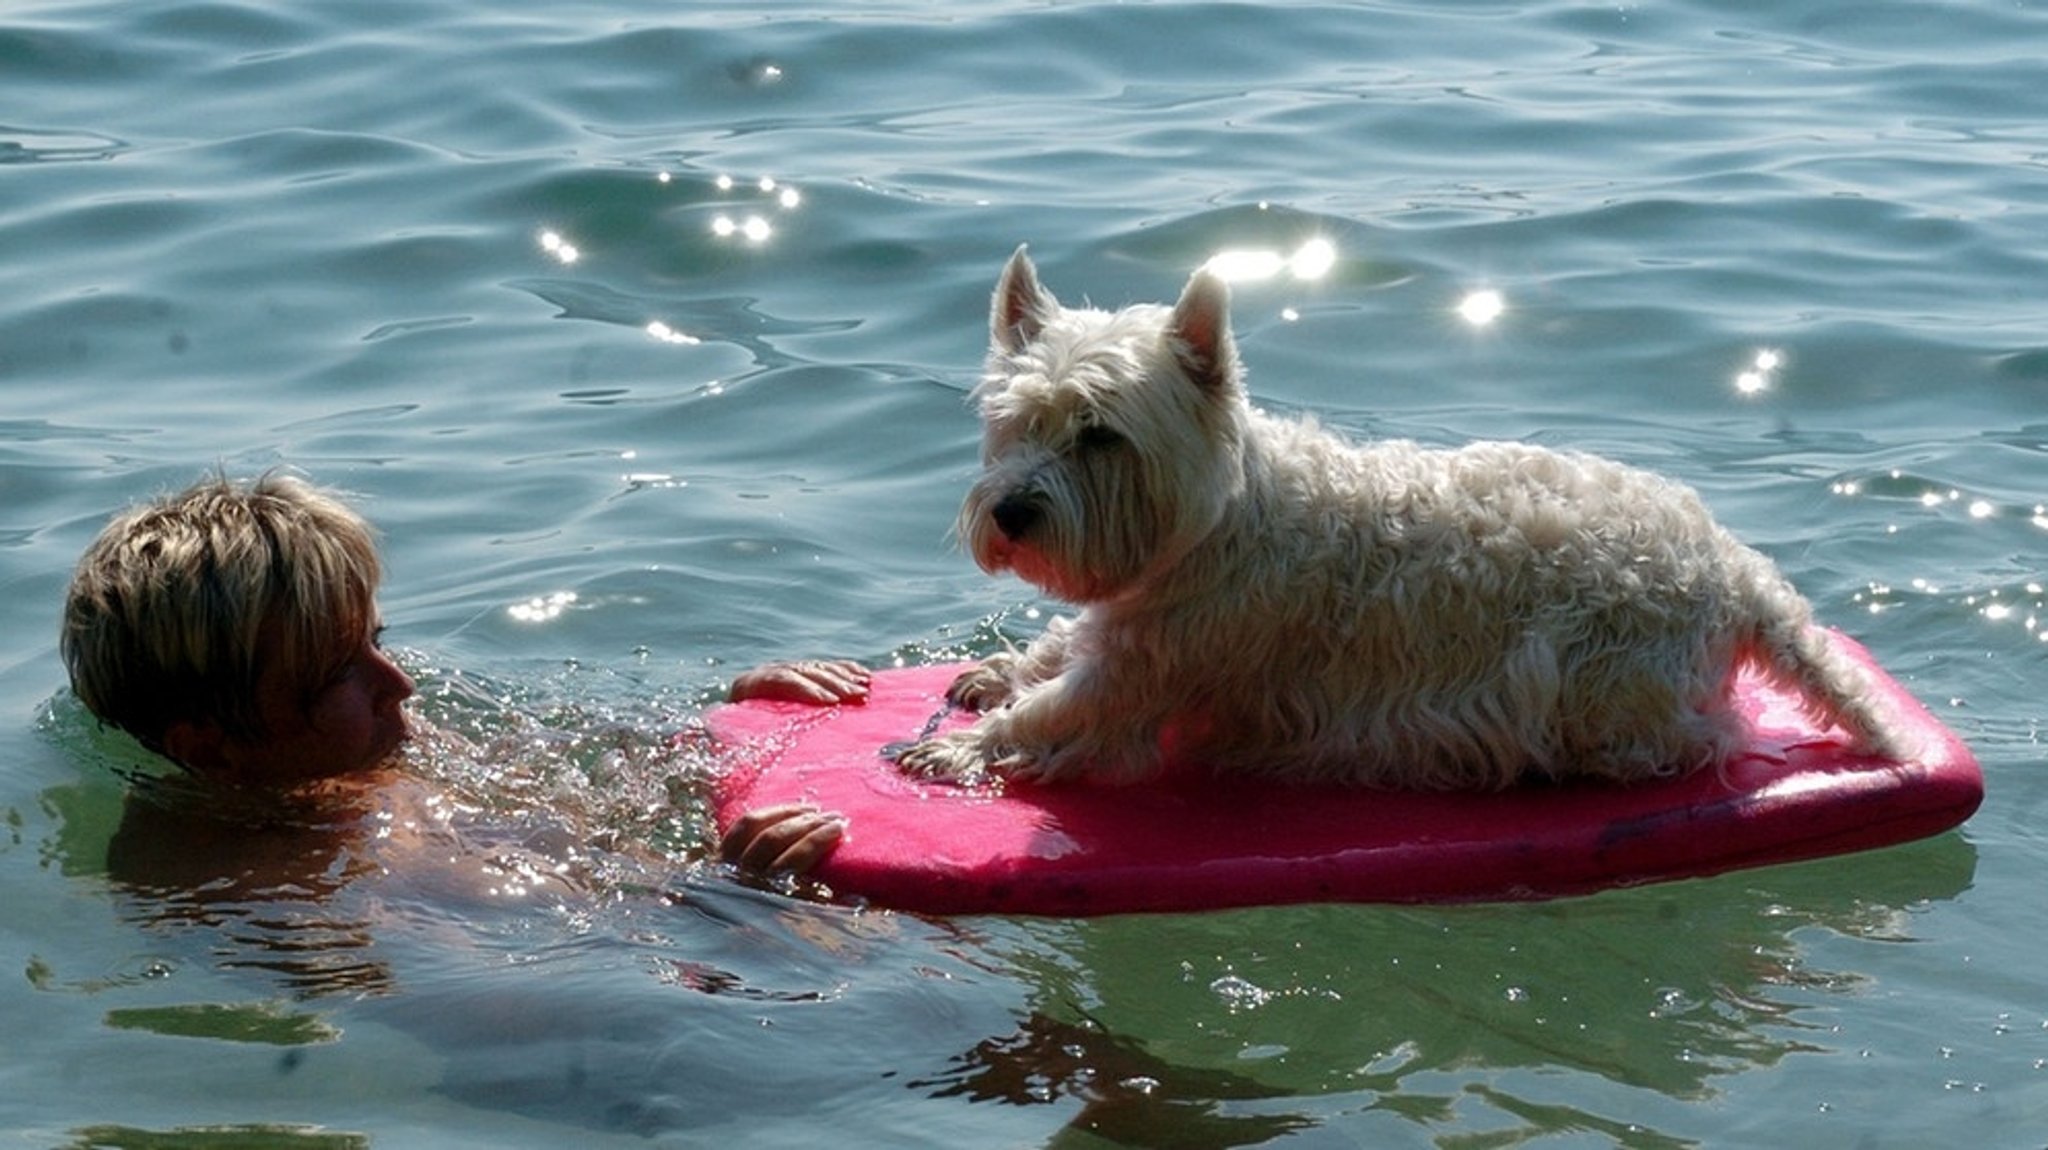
(642, 331)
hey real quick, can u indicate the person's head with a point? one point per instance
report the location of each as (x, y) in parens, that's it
(233, 628)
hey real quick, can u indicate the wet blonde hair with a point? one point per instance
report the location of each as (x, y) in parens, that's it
(178, 607)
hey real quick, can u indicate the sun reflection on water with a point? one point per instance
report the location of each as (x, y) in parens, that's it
(542, 608)
(753, 226)
(736, 214)
(1480, 308)
(1757, 377)
(552, 243)
(2024, 603)
(756, 229)
(1311, 261)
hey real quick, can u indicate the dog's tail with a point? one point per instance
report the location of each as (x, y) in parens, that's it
(1797, 654)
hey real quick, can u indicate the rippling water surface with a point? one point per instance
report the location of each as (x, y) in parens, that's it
(642, 331)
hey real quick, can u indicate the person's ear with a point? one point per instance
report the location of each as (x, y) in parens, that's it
(195, 746)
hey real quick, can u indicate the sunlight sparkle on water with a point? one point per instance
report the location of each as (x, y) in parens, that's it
(1241, 265)
(542, 608)
(1482, 307)
(753, 228)
(553, 244)
(667, 334)
(1756, 377)
(1312, 261)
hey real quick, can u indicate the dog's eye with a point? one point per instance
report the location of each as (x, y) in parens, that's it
(1096, 437)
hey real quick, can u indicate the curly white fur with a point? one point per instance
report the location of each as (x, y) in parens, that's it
(1265, 597)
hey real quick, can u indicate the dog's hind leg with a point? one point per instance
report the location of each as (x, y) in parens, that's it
(1797, 654)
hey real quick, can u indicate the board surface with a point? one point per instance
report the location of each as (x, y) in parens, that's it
(1191, 841)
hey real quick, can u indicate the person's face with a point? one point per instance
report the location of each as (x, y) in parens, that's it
(347, 722)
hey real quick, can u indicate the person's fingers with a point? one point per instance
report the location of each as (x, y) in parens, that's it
(810, 849)
(842, 679)
(787, 837)
(749, 828)
(814, 681)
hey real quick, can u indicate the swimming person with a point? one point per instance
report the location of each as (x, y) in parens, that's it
(233, 629)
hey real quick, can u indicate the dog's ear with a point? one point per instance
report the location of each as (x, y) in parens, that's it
(1021, 307)
(1200, 329)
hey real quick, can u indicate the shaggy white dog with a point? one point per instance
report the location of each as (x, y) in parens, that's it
(1262, 596)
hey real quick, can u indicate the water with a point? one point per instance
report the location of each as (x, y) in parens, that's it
(730, 428)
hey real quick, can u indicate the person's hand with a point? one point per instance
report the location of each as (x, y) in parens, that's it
(790, 837)
(816, 681)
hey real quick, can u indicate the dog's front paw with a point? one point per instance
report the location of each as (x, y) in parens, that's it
(956, 757)
(985, 687)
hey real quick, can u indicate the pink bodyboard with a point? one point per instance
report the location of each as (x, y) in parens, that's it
(1192, 841)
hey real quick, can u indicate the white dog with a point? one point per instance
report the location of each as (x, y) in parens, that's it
(1260, 596)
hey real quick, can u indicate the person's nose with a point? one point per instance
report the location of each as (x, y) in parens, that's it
(392, 681)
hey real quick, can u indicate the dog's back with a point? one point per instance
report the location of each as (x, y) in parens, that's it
(1462, 618)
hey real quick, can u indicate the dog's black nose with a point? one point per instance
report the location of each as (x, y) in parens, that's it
(1014, 516)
